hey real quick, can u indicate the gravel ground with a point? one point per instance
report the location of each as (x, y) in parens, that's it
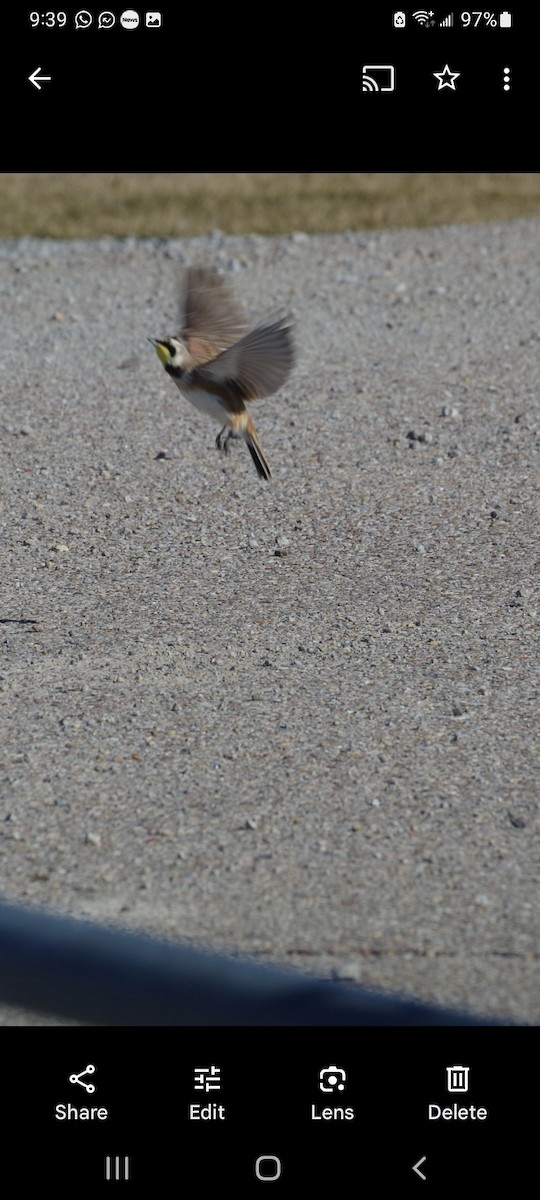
(297, 721)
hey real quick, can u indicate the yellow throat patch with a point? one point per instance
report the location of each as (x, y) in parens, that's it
(162, 352)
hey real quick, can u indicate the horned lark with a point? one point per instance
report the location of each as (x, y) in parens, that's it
(219, 365)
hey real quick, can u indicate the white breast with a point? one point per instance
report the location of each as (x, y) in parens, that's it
(207, 403)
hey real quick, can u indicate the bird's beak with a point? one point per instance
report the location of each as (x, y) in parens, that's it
(161, 350)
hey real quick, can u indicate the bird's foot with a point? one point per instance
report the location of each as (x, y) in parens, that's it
(222, 443)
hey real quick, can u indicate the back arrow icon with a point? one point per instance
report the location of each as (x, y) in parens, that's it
(35, 76)
(419, 1164)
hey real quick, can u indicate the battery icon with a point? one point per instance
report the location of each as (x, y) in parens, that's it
(505, 20)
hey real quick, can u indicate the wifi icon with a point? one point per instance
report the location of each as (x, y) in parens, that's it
(423, 17)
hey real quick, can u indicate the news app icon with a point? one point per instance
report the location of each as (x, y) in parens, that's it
(129, 19)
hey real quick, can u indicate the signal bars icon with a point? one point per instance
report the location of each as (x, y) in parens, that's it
(447, 22)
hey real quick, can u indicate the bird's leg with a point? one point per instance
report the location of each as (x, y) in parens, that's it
(222, 443)
(231, 436)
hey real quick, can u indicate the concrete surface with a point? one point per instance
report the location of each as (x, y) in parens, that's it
(296, 721)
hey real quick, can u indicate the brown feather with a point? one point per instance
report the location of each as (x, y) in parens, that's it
(211, 319)
(253, 367)
(255, 449)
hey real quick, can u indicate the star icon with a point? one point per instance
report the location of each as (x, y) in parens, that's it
(447, 78)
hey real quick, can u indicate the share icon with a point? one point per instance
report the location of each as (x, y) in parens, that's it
(89, 1070)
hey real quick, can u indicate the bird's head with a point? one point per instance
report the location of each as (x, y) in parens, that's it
(171, 352)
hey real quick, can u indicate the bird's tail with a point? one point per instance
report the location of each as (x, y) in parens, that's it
(253, 445)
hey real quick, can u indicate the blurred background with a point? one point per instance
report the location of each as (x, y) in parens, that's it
(177, 205)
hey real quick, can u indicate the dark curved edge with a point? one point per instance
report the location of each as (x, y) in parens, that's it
(99, 976)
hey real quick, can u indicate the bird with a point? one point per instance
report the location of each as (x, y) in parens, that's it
(220, 364)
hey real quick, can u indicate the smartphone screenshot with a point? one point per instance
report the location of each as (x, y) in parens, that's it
(269, 600)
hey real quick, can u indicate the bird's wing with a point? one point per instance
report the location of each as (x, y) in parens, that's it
(211, 319)
(255, 366)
